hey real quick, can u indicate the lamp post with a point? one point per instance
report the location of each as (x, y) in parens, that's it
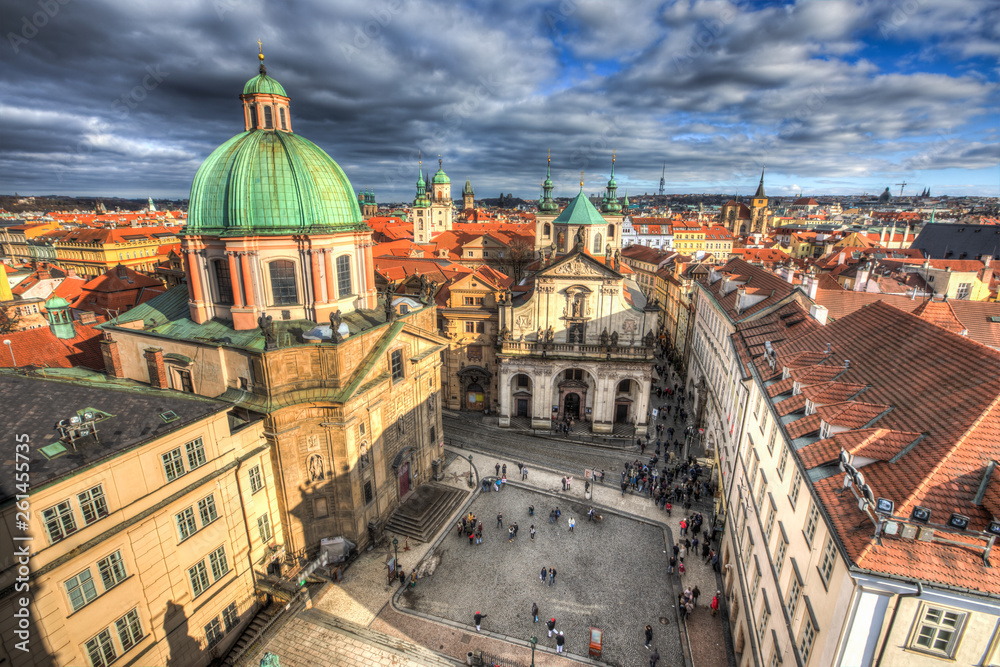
(534, 641)
(10, 348)
(395, 548)
(471, 483)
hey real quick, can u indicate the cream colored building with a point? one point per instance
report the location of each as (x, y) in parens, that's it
(890, 569)
(146, 536)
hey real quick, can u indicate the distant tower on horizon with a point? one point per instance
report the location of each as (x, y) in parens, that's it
(663, 180)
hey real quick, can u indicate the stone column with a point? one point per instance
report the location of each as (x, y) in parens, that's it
(642, 405)
(503, 386)
(314, 260)
(331, 296)
(247, 278)
(234, 279)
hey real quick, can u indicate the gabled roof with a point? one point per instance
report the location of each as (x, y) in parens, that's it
(40, 347)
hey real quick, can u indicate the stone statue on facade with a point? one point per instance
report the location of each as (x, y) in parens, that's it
(579, 238)
(335, 321)
(390, 311)
(614, 339)
(605, 338)
(550, 335)
(266, 324)
(618, 259)
(649, 338)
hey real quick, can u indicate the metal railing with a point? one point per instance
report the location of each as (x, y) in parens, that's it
(531, 347)
(491, 660)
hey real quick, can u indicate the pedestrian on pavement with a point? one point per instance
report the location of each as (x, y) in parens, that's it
(520, 466)
(681, 569)
(524, 473)
(649, 635)
(552, 575)
(413, 578)
(472, 538)
(564, 483)
(497, 468)
(510, 533)
(551, 625)
(558, 513)
(532, 532)
(479, 619)
(479, 533)
(515, 528)
(503, 471)
(545, 571)
(695, 594)
(552, 516)
(560, 642)
(672, 565)
(655, 658)
(499, 519)
(531, 510)
(572, 524)
(590, 514)
(624, 486)
(534, 612)
(715, 603)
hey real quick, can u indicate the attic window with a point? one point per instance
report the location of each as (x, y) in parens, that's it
(169, 416)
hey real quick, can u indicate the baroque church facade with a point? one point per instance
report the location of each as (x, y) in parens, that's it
(281, 317)
(579, 346)
(741, 219)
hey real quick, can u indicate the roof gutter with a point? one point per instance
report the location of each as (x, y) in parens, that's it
(892, 619)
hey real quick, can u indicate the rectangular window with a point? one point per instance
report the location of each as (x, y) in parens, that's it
(793, 493)
(369, 495)
(256, 480)
(264, 526)
(938, 631)
(268, 124)
(284, 290)
(213, 632)
(470, 327)
(112, 570)
(759, 500)
(769, 523)
(59, 521)
(129, 630)
(93, 505)
(173, 465)
(396, 363)
(186, 525)
(794, 593)
(963, 290)
(824, 430)
(807, 639)
(774, 436)
(783, 461)
(231, 617)
(219, 563)
(81, 589)
(101, 649)
(182, 381)
(779, 557)
(812, 520)
(206, 510)
(762, 620)
(828, 560)
(199, 578)
(195, 453)
(344, 276)
(223, 282)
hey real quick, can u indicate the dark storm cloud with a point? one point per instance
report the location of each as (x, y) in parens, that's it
(129, 97)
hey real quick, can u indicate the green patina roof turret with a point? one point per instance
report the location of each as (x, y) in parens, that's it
(441, 177)
(547, 204)
(468, 189)
(580, 212)
(270, 182)
(609, 203)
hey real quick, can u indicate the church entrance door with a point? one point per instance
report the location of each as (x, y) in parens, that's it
(571, 406)
(404, 479)
(522, 407)
(621, 413)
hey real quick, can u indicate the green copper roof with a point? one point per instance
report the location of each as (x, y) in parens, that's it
(580, 212)
(56, 302)
(269, 182)
(262, 83)
(441, 177)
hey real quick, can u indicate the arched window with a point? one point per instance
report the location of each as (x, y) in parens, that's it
(344, 276)
(546, 230)
(625, 386)
(611, 232)
(223, 281)
(283, 288)
(253, 116)
(268, 123)
(598, 244)
(281, 114)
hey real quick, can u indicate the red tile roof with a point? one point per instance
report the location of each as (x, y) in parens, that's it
(40, 347)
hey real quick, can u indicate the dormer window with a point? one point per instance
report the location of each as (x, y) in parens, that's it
(796, 389)
(786, 372)
(810, 407)
(824, 430)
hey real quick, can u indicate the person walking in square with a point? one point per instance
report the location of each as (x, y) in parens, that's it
(531, 531)
(715, 603)
(545, 571)
(534, 612)
(514, 526)
(479, 533)
(510, 533)
(552, 575)
(572, 524)
(524, 473)
(551, 625)
(479, 619)
(695, 594)
(649, 635)
(560, 642)
(503, 470)
(499, 519)
(655, 658)
(497, 468)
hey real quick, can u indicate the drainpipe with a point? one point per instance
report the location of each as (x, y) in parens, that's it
(892, 619)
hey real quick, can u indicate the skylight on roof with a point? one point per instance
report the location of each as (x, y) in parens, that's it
(169, 416)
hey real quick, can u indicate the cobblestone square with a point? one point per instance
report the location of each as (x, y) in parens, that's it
(610, 575)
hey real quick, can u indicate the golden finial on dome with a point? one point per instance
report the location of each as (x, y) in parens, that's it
(581, 180)
(260, 50)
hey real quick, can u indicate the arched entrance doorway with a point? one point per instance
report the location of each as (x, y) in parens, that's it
(623, 400)
(571, 406)
(521, 395)
(475, 399)
(475, 382)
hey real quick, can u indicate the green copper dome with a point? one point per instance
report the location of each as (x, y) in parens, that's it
(265, 85)
(270, 182)
(441, 177)
(580, 212)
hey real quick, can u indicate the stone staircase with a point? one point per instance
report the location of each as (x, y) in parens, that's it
(426, 511)
(251, 633)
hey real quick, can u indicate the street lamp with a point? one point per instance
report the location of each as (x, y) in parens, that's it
(10, 348)
(471, 483)
(534, 641)
(395, 548)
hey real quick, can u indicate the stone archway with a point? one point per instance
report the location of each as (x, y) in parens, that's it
(475, 384)
(571, 404)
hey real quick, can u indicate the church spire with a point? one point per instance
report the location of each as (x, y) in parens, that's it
(546, 204)
(610, 199)
(760, 188)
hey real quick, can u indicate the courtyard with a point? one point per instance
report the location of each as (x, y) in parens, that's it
(610, 575)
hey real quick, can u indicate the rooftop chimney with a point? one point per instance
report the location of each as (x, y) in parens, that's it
(820, 313)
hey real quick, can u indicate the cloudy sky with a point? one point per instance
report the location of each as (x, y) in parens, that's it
(834, 96)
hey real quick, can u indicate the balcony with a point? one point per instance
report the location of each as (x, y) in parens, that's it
(527, 348)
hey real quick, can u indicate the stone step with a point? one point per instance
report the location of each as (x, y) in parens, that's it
(249, 634)
(423, 515)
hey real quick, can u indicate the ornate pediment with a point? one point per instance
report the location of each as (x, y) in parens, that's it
(577, 265)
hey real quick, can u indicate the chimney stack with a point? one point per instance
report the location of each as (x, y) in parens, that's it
(157, 371)
(112, 358)
(820, 313)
